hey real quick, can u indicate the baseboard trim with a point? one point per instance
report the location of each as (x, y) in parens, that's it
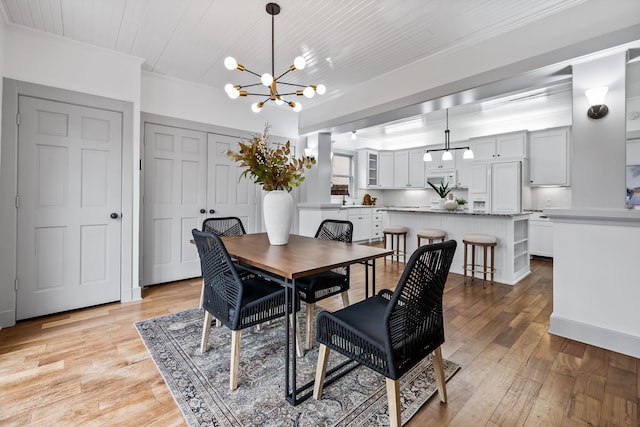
(595, 335)
(7, 318)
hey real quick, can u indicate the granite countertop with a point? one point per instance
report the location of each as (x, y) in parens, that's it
(314, 205)
(417, 209)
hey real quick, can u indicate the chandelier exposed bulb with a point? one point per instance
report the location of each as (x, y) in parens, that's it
(232, 91)
(296, 106)
(308, 92)
(230, 63)
(270, 80)
(299, 63)
(266, 79)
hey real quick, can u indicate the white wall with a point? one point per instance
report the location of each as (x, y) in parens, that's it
(599, 146)
(595, 291)
(595, 288)
(190, 101)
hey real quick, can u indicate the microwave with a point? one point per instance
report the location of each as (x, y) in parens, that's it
(441, 177)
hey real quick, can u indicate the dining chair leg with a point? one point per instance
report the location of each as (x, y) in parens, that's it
(393, 400)
(299, 350)
(206, 328)
(438, 369)
(201, 295)
(236, 337)
(309, 338)
(345, 299)
(321, 371)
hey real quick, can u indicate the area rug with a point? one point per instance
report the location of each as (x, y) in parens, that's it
(200, 382)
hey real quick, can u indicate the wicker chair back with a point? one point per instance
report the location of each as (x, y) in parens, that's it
(226, 226)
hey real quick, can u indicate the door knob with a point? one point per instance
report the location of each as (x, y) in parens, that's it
(114, 215)
(212, 211)
(203, 211)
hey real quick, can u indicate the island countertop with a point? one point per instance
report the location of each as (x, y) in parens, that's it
(422, 209)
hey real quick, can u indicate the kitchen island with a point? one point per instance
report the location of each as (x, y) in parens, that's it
(511, 231)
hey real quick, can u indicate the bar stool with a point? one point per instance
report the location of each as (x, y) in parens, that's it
(396, 231)
(430, 234)
(485, 241)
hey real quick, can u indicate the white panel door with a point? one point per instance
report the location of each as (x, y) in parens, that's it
(227, 194)
(175, 189)
(69, 188)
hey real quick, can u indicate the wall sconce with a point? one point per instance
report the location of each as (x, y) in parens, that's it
(597, 109)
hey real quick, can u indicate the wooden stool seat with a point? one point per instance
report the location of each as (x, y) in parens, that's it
(431, 234)
(484, 241)
(396, 231)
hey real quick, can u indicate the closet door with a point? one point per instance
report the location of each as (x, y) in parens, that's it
(227, 193)
(70, 189)
(175, 191)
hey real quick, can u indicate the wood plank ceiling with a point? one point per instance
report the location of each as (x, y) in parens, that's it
(344, 42)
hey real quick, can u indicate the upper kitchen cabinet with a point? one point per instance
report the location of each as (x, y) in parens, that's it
(549, 157)
(368, 169)
(437, 164)
(385, 169)
(464, 166)
(508, 146)
(409, 169)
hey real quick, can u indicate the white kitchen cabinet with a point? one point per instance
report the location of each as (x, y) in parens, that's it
(361, 219)
(506, 188)
(506, 146)
(549, 157)
(368, 169)
(376, 225)
(408, 169)
(416, 168)
(540, 235)
(309, 219)
(401, 169)
(463, 176)
(385, 169)
(436, 165)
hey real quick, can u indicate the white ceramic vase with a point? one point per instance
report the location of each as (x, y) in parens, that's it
(450, 203)
(277, 208)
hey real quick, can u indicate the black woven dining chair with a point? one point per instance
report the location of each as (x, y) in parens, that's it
(238, 303)
(328, 283)
(392, 331)
(224, 226)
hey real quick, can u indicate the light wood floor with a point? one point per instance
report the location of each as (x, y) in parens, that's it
(89, 367)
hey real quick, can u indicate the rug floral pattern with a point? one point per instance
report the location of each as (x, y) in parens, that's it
(200, 382)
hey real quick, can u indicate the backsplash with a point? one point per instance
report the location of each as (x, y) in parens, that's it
(536, 198)
(548, 197)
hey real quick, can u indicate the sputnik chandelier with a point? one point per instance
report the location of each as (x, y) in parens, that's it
(269, 80)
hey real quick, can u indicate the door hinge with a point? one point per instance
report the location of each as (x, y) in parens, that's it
(15, 284)
(18, 119)
(17, 202)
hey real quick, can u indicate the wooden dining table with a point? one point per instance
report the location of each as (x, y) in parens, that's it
(301, 257)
